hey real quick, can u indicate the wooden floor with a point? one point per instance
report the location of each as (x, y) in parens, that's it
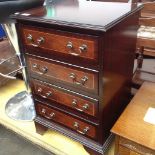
(52, 141)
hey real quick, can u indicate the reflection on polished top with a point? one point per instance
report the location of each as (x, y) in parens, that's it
(80, 13)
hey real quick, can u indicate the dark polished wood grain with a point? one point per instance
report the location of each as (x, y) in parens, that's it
(66, 120)
(88, 142)
(40, 128)
(118, 63)
(103, 76)
(69, 44)
(92, 152)
(76, 16)
(58, 72)
(52, 93)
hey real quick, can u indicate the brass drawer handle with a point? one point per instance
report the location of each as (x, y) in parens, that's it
(82, 48)
(39, 90)
(70, 47)
(30, 38)
(34, 45)
(81, 82)
(85, 130)
(73, 53)
(42, 70)
(40, 40)
(51, 115)
(84, 107)
(48, 94)
(43, 111)
(35, 65)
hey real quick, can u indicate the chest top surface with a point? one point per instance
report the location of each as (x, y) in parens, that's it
(80, 13)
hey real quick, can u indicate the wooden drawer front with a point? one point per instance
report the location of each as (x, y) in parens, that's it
(65, 74)
(68, 100)
(126, 151)
(132, 146)
(68, 121)
(70, 44)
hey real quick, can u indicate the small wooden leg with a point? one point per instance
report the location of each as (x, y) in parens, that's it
(91, 152)
(40, 129)
(139, 61)
(140, 58)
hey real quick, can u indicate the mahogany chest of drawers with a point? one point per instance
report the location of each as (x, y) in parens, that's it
(79, 57)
